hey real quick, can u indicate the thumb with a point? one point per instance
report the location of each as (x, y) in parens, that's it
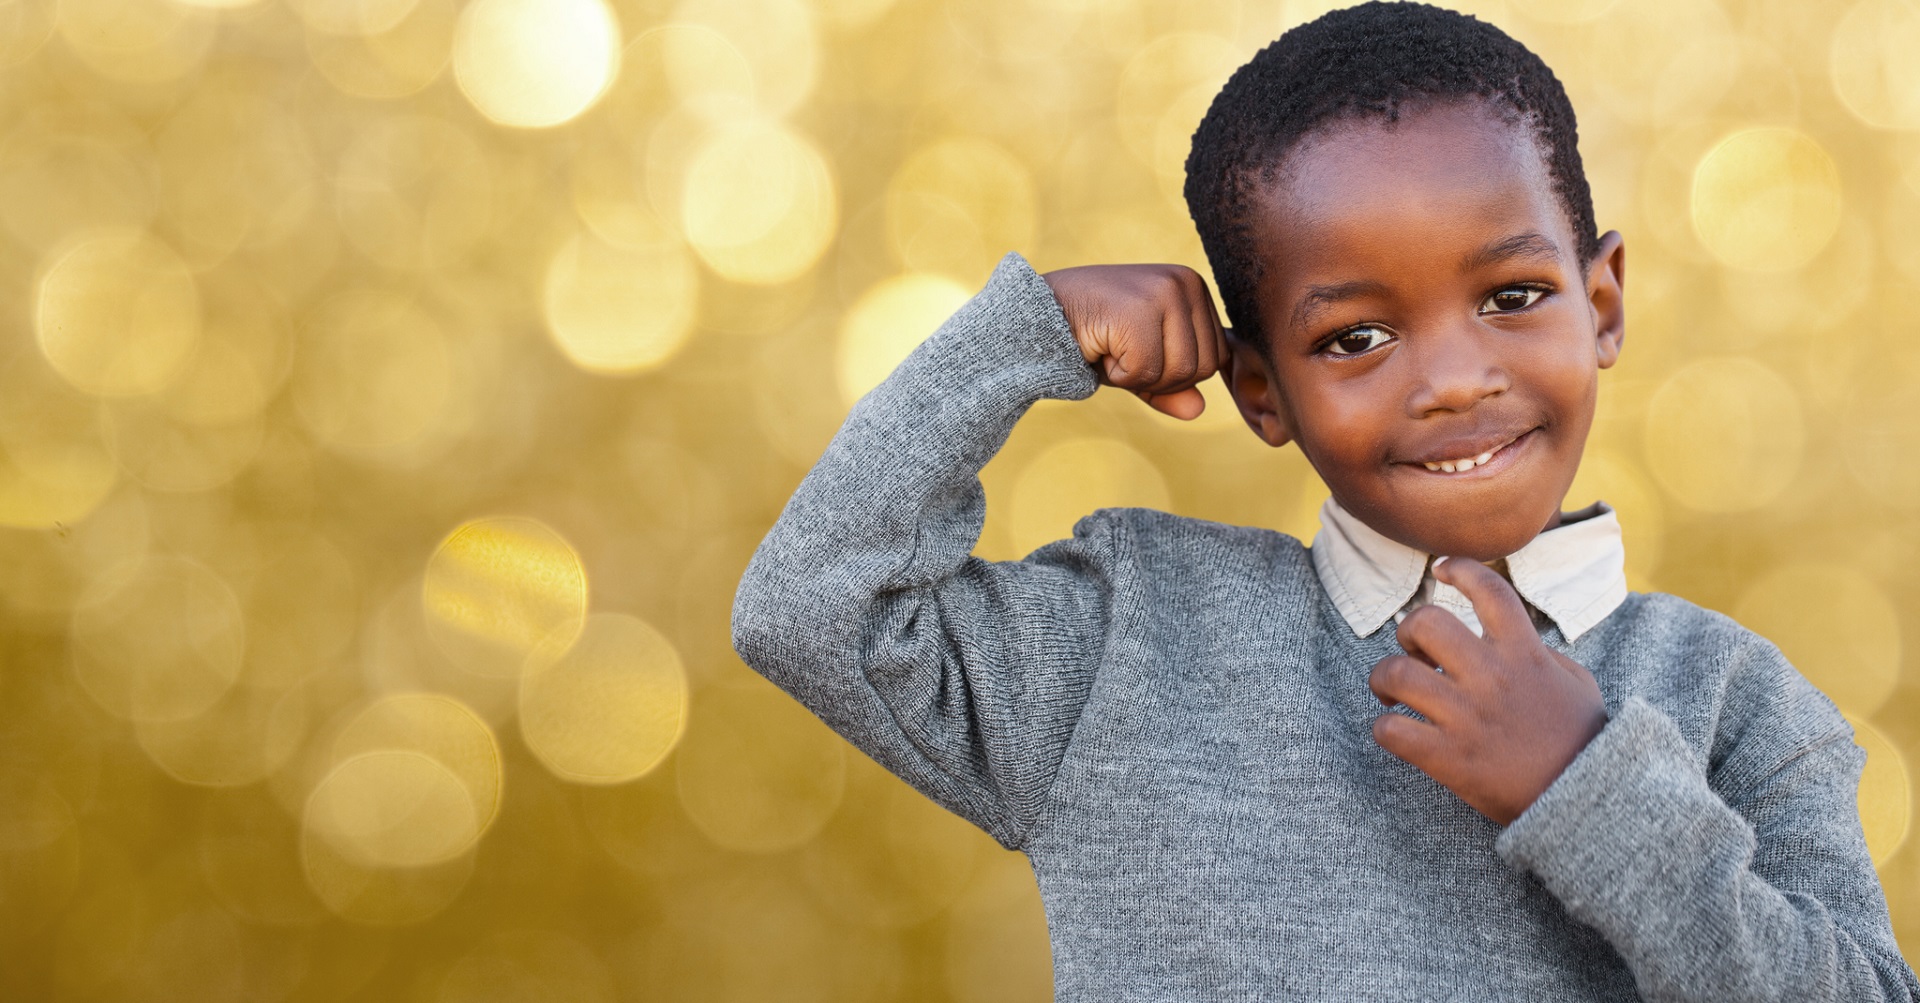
(1185, 405)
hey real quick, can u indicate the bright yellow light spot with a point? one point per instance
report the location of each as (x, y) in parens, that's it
(729, 59)
(374, 372)
(1564, 11)
(885, 325)
(621, 309)
(608, 709)
(119, 314)
(756, 772)
(352, 17)
(498, 588)
(1766, 199)
(758, 203)
(1835, 625)
(442, 729)
(1073, 478)
(535, 63)
(394, 808)
(242, 739)
(381, 896)
(158, 639)
(1871, 59)
(958, 205)
(1886, 792)
(1724, 435)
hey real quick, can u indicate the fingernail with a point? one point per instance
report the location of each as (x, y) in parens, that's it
(1439, 561)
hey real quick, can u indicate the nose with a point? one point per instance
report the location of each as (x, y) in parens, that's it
(1455, 368)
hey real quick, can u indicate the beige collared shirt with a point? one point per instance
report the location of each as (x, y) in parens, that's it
(1573, 574)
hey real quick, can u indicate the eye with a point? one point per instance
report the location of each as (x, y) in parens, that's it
(1355, 340)
(1512, 298)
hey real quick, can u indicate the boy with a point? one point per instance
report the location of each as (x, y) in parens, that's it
(1574, 793)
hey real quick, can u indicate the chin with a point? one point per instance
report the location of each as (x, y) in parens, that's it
(1475, 538)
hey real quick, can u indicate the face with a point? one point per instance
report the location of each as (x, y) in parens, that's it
(1435, 343)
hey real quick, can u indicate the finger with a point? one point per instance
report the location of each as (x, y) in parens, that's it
(1134, 361)
(1437, 637)
(1207, 330)
(1185, 405)
(1413, 741)
(1401, 679)
(1178, 351)
(1501, 613)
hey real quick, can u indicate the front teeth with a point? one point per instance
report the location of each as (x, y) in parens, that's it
(1462, 466)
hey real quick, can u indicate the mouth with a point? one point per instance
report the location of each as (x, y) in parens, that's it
(1487, 461)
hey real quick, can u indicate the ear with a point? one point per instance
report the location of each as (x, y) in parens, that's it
(1255, 391)
(1606, 295)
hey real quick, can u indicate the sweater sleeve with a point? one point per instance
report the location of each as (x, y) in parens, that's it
(1747, 882)
(962, 676)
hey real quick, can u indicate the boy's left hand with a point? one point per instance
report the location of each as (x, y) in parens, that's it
(1505, 715)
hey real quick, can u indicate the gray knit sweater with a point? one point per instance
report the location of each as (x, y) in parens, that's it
(1169, 717)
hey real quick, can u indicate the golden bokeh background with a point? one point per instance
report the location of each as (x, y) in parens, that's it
(392, 391)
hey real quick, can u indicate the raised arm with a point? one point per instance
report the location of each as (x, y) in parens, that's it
(964, 677)
(1764, 894)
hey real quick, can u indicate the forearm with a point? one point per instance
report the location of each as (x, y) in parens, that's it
(1635, 843)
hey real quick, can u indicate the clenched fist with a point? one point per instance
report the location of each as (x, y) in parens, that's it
(1149, 329)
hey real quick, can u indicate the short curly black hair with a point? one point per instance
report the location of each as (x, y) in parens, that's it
(1359, 63)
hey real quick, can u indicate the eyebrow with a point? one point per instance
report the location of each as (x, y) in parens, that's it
(1523, 245)
(1535, 246)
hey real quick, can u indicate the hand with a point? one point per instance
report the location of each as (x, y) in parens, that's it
(1504, 716)
(1150, 329)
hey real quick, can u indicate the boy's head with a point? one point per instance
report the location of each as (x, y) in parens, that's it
(1394, 208)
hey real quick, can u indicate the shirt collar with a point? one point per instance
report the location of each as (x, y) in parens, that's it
(1575, 573)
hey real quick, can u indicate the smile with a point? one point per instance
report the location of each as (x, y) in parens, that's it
(1467, 463)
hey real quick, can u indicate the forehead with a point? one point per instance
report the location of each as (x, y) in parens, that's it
(1439, 178)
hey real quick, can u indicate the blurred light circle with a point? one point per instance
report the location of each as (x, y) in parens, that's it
(303, 609)
(352, 17)
(527, 967)
(40, 863)
(1603, 476)
(758, 203)
(118, 314)
(756, 772)
(25, 26)
(1886, 792)
(237, 170)
(378, 895)
(1766, 199)
(158, 639)
(394, 808)
(415, 193)
(1724, 435)
(1073, 478)
(1564, 11)
(169, 455)
(621, 310)
(240, 740)
(55, 467)
(374, 372)
(926, 856)
(535, 63)
(137, 41)
(1871, 61)
(1164, 74)
(887, 323)
(442, 729)
(726, 59)
(958, 205)
(1835, 625)
(853, 14)
(498, 588)
(393, 63)
(610, 707)
(85, 175)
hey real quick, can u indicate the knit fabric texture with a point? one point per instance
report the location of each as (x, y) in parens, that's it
(1172, 721)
